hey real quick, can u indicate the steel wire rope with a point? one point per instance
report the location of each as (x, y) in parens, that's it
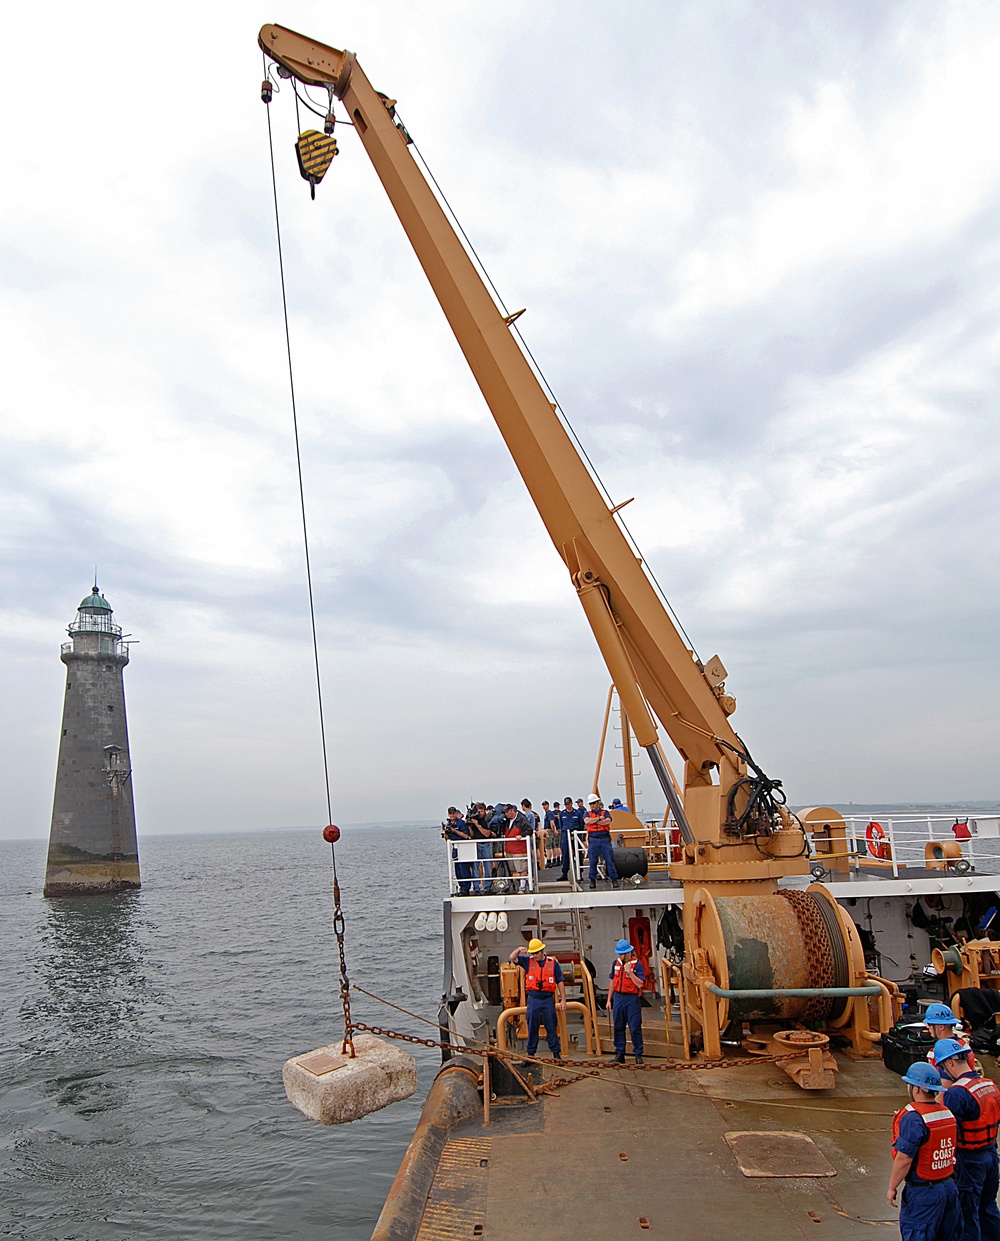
(540, 375)
(338, 916)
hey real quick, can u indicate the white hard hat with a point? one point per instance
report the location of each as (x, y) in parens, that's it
(592, 798)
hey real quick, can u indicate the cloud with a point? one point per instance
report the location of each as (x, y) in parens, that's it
(758, 250)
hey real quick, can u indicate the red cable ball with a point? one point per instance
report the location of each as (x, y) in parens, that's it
(331, 834)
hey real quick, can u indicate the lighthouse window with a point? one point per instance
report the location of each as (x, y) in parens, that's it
(106, 646)
(110, 707)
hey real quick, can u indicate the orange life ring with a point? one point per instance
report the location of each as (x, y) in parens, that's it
(878, 846)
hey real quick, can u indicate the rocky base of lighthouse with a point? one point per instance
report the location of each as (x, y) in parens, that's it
(83, 874)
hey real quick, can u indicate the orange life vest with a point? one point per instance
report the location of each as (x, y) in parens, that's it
(974, 1135)
(621, 982)
(594, 823)
(935, 1159)
(541, 975)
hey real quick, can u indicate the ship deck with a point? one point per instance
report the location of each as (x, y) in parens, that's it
(636, 1151)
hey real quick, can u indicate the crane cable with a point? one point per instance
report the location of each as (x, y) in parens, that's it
(331, 833)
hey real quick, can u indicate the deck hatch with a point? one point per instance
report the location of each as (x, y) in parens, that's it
(780, 1154)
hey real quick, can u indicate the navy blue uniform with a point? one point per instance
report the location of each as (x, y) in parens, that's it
(626, 1007)
(929, 1210)
(599, 846)
(541, 1010)
(569, 821)
(977, 1174)
(458, 830)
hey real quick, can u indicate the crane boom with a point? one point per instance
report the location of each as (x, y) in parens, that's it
(657, 676)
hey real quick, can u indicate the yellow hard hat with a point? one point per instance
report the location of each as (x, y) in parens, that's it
(536, 945)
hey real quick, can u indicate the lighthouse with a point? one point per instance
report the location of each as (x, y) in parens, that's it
(92, 844)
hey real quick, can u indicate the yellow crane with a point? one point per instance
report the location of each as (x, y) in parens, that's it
(738, 839)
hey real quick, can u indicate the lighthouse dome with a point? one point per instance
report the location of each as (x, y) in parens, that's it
(95, 602)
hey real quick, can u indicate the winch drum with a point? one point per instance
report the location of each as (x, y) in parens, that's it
(784, 940)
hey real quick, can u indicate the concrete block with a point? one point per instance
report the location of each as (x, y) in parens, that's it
(333, 1089)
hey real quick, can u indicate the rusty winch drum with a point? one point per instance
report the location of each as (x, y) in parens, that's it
(788, 939)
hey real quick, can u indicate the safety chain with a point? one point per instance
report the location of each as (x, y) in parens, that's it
(408, 1038)
(591, 1065)
(347, 1047)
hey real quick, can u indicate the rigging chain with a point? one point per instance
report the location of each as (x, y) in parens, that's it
(330, 833)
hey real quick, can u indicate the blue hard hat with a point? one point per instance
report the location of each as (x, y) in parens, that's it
(945, 1048)
(623, 946)
(941, 1015)
(925, 1076)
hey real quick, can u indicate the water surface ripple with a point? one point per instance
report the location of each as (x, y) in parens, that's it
(142, 1036)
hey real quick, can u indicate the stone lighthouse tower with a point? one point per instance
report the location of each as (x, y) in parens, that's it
(92, 845)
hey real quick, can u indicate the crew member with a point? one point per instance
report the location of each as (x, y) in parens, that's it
(627, 977)
(975, 1103)
(456, 829)
(543, 977)
(570, 820)
(942, 1023)
(598, 825)
(550, 832)
(923, 1155)
(517, 827)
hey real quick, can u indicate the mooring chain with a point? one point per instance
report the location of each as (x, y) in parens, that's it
(590, 1065)
(332, 834)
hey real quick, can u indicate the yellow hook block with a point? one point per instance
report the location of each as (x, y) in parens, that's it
(315, 153)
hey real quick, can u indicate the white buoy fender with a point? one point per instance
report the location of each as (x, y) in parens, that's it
(331, 1088)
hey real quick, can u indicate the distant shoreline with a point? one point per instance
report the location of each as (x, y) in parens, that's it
(846, 808)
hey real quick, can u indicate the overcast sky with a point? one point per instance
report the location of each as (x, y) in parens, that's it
(759, 245)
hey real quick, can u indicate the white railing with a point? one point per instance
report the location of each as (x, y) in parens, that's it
(896, 843)
(503, 872)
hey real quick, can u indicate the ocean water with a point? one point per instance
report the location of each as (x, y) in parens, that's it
(142, 1036)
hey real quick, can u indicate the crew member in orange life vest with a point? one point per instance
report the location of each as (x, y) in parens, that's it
(975, 1103)
(542, 978)
(627, 976)
(923, 1155)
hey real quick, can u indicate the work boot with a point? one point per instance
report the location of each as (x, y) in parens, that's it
(619, 1059)
(615, 883)
(639, 1060)
(558, 1060)
(593, 886)
(564, 877)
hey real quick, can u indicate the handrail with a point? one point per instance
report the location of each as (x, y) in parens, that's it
(806, 993)
(509, 1014)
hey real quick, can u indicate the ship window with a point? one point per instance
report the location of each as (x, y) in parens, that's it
(65, 731)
